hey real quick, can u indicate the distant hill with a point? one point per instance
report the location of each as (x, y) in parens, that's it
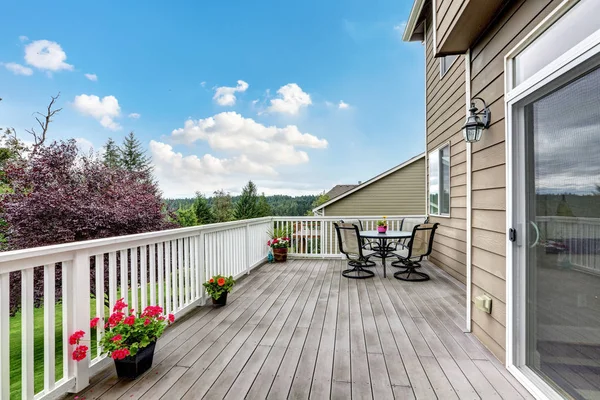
(281, 205)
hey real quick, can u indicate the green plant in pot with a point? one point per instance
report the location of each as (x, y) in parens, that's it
(217, 287)
(129, 339)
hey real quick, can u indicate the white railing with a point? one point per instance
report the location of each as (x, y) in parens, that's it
(165, 268)
(581, 236)
(316, 237)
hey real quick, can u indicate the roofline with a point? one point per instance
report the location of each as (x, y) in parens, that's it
(370, 181)
(411, 24)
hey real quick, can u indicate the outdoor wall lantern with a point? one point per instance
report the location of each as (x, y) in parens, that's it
(477, 121)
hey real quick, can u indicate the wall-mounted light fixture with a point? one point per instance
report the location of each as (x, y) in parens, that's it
(477, 121)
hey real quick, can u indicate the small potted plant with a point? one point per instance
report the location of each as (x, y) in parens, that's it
(217, 287)
(382, 225)
(280, 247)
(128, 339)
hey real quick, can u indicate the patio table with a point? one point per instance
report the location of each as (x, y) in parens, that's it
(382, 251)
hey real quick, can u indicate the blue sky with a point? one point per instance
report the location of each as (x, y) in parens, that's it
(298, 96)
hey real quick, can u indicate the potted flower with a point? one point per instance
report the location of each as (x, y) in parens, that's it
(382, 225)
(217, 287)
(128, 339)
(280, 247)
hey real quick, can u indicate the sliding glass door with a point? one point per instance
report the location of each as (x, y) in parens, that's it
(557, 152)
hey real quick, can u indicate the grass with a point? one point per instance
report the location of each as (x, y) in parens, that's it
(38, 348)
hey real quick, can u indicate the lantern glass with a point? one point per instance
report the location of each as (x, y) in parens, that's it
(472, 129)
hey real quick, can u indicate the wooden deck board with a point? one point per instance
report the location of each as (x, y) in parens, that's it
(300, 330)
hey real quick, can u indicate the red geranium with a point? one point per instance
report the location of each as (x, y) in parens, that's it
(129, 320)
(94, 322)
(119, 305)
(115, 318)
(171, 318)
(75, 337)
(80, 353)
(117, 338)
(147, 322)
(120, 354)
(221, 281)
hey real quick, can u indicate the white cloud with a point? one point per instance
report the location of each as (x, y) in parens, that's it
(343, 106)
(46, 55)
(134, 116)
(291, 99)
(248, 150)
(225, 95)
(84, 145)
(400, 27)
(23, 38)
(104, 110)
(17, 69)
(203, 83)
(92, 77)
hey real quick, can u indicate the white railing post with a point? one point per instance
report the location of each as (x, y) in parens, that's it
(4, 336)
(79, 307)
(201, 265)
(247, 248)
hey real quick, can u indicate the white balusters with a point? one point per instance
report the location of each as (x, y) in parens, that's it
(143, 277)
(4, 335)
(27, 333)
(49, 327)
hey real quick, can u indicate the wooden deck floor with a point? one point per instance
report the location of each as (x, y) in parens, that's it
(300, 330)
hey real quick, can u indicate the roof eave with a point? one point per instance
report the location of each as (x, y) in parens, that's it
(413, 19)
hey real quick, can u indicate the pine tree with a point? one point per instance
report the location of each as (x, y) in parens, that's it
(246, 206)
(112, 152)
(202, 210)
(222, 206)
(133, 156)
(186, 217)
(263, 208)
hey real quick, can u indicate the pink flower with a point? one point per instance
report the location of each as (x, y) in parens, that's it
(129, 320)
(80, 353)
(74, 338)
(119, 305)
(171, 318)
(94, 322)
(115, 318)
(117, 338)
(120, 354)
(147, 322)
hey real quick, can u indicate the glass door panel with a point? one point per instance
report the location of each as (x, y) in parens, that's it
(560, 215)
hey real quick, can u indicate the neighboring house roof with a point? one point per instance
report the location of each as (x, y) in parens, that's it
(339, 190)
(370, 181)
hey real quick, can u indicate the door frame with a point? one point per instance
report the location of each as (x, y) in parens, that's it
(561, 69)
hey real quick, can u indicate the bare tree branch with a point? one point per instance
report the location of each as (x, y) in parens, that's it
(44, 123)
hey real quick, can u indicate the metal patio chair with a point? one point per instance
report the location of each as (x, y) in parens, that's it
(366, 244)
(419, 246)
(350, 245)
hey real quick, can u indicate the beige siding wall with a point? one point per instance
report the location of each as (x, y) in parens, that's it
(446, 13)
(488, 166)
(400, 193)
(446, 99)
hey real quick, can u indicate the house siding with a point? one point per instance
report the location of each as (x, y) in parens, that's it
(489, 169)
(400, 193)
(445, 98)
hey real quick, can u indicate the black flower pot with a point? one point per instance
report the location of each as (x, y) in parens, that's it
(221, 301)
(133, 366)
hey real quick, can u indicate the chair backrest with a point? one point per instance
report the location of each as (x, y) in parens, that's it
(356, 222)
(421, 240)
(409, 223)
(348, 239)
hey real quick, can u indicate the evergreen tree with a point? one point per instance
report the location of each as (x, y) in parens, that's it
(246, 206)
(222, 206)
(203, 212)
(263, 208)
(112, 154)
(321, 199)
(133, 156)
(186, 217)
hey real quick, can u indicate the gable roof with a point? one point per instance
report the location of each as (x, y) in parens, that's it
(370, 181)
(411, 33)
(338, 190)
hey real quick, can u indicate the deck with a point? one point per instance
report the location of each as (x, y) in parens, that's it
(300, 330)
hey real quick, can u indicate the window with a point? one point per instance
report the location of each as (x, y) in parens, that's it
(445, 64)
(439, 181)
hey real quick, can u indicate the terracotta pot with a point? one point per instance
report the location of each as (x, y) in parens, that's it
(382, 229)
(280, 254)
(221, 301)
(133, 366)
